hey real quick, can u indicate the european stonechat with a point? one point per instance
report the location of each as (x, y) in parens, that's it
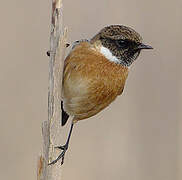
(95, 72)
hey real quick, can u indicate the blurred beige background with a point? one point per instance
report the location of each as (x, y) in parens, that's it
(139, 137)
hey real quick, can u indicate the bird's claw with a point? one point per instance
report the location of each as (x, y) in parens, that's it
(64, 147)
(61, 156)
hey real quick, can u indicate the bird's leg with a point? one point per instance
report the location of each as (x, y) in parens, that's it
(67, 142)
(63, 148)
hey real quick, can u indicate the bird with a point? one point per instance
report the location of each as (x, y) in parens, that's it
(95, 72)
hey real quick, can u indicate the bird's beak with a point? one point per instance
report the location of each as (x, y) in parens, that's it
(143, 46)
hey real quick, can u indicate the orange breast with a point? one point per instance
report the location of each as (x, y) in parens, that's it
(91, 82)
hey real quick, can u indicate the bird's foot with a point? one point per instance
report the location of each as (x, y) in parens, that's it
(61, 156)
(64, 147)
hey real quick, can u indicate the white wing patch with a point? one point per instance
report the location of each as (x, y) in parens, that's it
(107, 53)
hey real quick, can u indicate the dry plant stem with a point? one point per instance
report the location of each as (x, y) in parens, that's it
(51, 128)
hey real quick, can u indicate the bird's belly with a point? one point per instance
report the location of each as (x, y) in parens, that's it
(84, 98)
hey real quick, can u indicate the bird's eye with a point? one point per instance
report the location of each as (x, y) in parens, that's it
(122, 43)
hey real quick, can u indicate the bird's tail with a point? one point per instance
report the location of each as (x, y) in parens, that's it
(65, 116)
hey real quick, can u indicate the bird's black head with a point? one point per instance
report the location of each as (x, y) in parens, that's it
(124, 43)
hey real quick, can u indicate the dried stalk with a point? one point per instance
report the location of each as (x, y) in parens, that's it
(51, 128)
